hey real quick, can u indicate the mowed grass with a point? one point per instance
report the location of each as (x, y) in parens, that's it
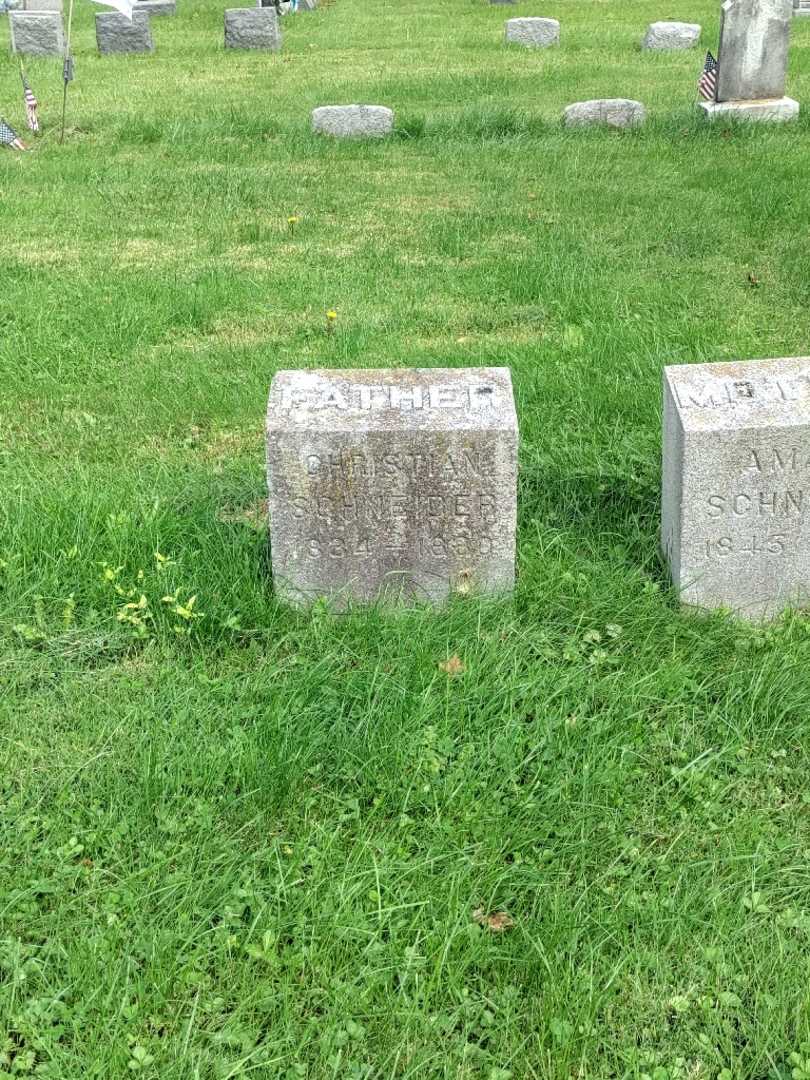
(253, 843)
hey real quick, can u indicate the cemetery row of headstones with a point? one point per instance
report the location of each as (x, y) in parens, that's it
(402, 484)
(37, 27)
(37, 30)
(754, 39)
(750, 83)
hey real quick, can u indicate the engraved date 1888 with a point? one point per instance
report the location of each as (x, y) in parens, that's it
(724, 546)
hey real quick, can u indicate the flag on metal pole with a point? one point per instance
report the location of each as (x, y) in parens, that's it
(67, 71)
(9, 137)
(707, 84)
(31, 104)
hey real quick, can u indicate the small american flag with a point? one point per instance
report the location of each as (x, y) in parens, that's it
(707, 84)
(67, 69)
(31, 105)
(9, 137)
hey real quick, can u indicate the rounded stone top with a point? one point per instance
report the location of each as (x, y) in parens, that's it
(671, 35)
(534, 33)
(352, 121)
(612, 112)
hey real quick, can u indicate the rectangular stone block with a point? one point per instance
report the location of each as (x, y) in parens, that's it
(392, 484)
(157, 7)
(37, 33)
(252, 28)
(754, 40)
(736, 484)
(41, 5)
(767, 110)
(116, 34)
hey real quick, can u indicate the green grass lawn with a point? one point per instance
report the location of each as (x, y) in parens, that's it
(261, 843)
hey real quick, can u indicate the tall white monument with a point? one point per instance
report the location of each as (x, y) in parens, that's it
(754, 40)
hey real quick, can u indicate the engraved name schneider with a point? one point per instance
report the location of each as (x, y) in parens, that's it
(362, 504)
(373, 397)
(759, 507)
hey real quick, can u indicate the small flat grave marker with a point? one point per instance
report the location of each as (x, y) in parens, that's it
(353, 121)
(392, 484)
(736, 484)
(532, 33)
(607, 112)
(666, 36)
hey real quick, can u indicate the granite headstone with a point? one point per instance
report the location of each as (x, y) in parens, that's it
(754, 41)
(116, 34)
(252, 28)
(41, 5)
(532, 33)
(666, 36)
(37, 33)
(736, 484)
(607, 112)
(353, 121)
(392, 484)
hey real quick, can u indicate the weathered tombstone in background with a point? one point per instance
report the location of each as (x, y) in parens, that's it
(252, 28)
(754, 42)
(41, 5)
(666, 36)
(532, 33)
(736, 484)
(157, 7)
(801, 7)
(37, 33)
(608, 112)
(392, 484)
(116, 34)
(353, 121)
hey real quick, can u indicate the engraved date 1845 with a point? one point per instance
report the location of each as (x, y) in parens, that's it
(724, 546)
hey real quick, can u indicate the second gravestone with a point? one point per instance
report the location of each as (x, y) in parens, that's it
(392, 484)
(736, 488)
(754, 40)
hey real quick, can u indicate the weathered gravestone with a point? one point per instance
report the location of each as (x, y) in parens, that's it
(754, 41)
(252, 28)
(37, 33)
(157, 7)
(666, 36)
(41, 5)
(801, 7)
(353, 121)
(736, 484)
(607, 112)
(116, 34)
(532, 33)
(392, 484)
